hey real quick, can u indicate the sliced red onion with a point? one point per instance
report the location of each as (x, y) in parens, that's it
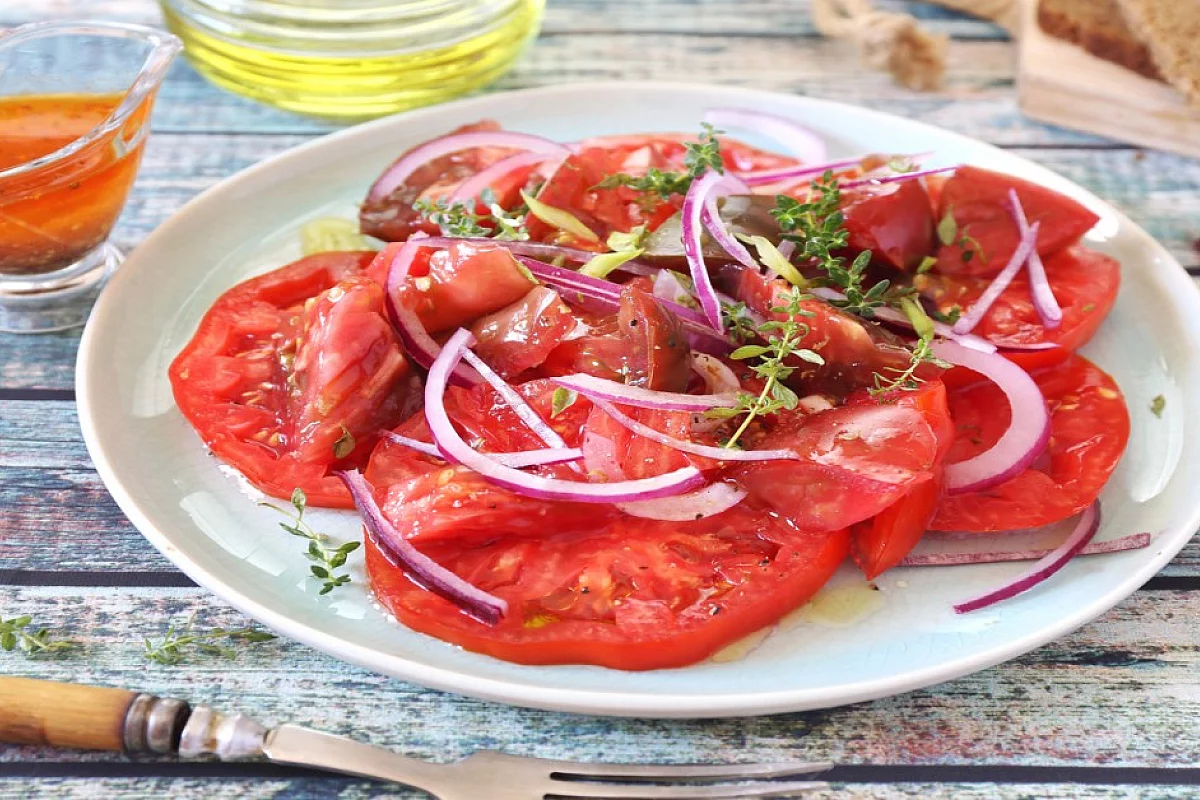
(1134, 541)
(451, 443)
(802, 142)
(794, 173)
(693, 246)
(481, 181)
(417, 342)
(1001, 282)
(1027, 434)
(900, 319)
(695, 448)
(903, 176)
(710, 215)
(515, 401)
(1039, 285)
(399, 172)
(787, 248)
(706, 502)
(595, 388)
(520, 458)
(667, 286)
(1085, 530)
(486, 608)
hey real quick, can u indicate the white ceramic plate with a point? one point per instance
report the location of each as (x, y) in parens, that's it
(206, 521)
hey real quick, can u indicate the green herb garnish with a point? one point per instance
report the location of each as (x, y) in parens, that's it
(561, 400)
(1157, 405)
(460, 220)
(327, 560)
(345, 444)
(699, 157)
(176, 644)
(15, 635)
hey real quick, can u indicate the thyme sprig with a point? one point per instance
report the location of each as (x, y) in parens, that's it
(783, 338)
(15, 634)
(327, 559)
(699, 157)
(459, 218)
(178, 643)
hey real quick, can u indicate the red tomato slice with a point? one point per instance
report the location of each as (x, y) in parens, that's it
(1089, 430)
(895, 222)
(628, 594)
(465, 281)
(519, 337)
(659, 356)
(273, 382)
(854, 351)
(1084, 282)
(858, 460)
(978, 200)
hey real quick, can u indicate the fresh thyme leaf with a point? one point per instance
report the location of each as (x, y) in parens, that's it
(699, 157)
(176, 643)
(739, 324)
(1157, 405)
(561, 400)
(927, 263)
(947, 228)
(704, 154)
(948, 317)
(15, 634)
(345, 444)
(327, 558)
(948, 233)
(458, 218)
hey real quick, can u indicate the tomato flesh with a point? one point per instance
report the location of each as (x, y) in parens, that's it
(895, 222)
(520, 337)
(1089, 427)
(465, 281)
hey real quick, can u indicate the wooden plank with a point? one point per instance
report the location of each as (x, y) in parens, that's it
(721, 17)
(1067, 703)
(53, 500)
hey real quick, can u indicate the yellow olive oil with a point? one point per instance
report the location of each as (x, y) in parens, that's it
(352, 59)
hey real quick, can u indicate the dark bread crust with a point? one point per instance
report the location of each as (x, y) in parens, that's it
(1099, 28)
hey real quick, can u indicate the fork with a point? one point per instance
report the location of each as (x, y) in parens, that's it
(97, 718)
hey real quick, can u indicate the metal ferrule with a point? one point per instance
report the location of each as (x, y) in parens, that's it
(154, 724)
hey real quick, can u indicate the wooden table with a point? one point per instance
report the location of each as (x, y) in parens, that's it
(1110, 711)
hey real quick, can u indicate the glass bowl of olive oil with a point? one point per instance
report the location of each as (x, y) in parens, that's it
(353, 59)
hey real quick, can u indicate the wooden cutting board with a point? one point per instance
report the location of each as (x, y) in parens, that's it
(1065, 85)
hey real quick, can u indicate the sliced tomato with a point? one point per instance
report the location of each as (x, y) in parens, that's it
(854, 351)
(628, 594)
(465, 281)
(601, 351)
(393, 218)
(895, 222)
(520, 336)
(855, 462)
(659, 356)
(638, 457)
(1084, 282)
(1089, 427)
(291, 374)
(978, 201)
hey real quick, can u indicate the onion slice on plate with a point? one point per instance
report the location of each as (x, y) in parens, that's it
(1085, 530)
(486, 608)
(1133, 541)
(1026, 245)
(1027, 434)
(474, 186)
(710, 215)
(903, 176)
(693, 244)
(1039, 285)
(399, 172)
(456, 449)
(515, 401)
(417, 342)
(706, 502)
(595, 388)
(803, 143)
(520, 458)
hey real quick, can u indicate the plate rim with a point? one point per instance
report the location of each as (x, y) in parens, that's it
(1168, 541)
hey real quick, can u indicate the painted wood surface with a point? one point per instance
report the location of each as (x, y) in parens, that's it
(1108, 712)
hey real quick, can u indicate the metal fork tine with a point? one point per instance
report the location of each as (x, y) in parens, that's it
(725, 791)
(672, 772)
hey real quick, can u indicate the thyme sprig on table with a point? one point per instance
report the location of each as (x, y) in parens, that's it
(327, 560)
(178, 643)
(16, 634)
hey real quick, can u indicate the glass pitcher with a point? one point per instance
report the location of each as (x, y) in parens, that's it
(75, 101)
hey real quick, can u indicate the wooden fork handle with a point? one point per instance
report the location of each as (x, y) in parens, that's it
(88, 717)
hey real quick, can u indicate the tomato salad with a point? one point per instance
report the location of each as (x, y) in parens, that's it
(625, 400)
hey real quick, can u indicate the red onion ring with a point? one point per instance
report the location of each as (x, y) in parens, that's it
(516, 402)
(487, 608)
(475, 185)
(794, 173)
(903, 176)
(595, 388)
(1133, 541)
(711, 217)
(803, 143)
(452, 445)
(1027, 434)
(1039, 285)
(693, 245)
(395, 175)
(413, 336)
(707, 451)
(1085, 530)
(1001, 282)
(520, 458)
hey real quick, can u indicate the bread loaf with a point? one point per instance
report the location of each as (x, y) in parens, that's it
(1098, 27)
(1171, 29)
